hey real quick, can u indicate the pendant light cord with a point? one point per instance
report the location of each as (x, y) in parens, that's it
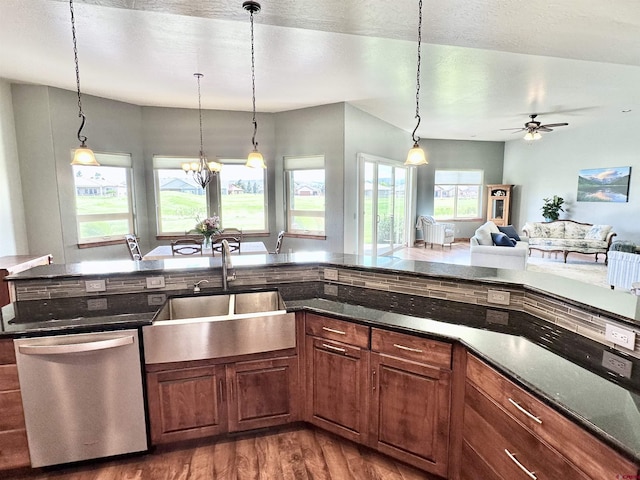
(253, 86)
(199, 76)
(413, 135)
(81, 138)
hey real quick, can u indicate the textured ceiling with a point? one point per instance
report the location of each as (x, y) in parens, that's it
(486, 64)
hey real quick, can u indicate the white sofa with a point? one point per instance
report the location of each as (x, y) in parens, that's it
(483, 253)
(623, 269)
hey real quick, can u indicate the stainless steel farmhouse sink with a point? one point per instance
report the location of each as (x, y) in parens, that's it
(215, 326)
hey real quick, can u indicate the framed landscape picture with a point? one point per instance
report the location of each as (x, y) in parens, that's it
(604, 184)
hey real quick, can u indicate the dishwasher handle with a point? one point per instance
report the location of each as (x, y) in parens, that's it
(75, 347)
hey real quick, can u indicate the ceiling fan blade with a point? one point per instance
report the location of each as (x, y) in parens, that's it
(517, 129)
(544, 128)
(554, 125)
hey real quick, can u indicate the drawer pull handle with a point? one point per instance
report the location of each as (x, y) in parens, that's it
(408, 349)
(512, 456)
(527, 413)
(336, 349)
(332, 330)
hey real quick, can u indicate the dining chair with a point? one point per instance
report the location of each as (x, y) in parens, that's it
(234, 242)
(186, 246)
(279, 242)
(134, 248)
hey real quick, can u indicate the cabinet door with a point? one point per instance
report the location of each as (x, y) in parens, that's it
(187, 403)
(263, 393)
(337, 387)
(411, 412)
(14, 451)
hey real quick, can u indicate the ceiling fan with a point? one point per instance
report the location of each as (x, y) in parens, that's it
(533, 128)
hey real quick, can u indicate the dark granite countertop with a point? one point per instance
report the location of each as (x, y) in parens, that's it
(562, 368)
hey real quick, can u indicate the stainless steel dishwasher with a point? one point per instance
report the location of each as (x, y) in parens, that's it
(82, 396)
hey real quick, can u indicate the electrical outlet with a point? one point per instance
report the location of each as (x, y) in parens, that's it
(497, 317)
(620, 336)
(330, 274)
(331, 290)
(498, 297)
(91, 286)
(155, 282)
(97, 304)
(617, 364)
(156, 299)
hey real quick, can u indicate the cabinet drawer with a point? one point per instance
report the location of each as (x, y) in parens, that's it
(511, 450)
(12, 417)
(14, 450)
(9, 378)
(338, 330)
(576, 444)
(413, 348)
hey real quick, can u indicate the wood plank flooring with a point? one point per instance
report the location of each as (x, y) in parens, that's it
(289, 454)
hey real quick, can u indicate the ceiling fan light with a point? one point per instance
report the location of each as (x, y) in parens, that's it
(84, 156)
(255, 160)
(537, 136)
(529, 136)
(416, 156)
(214, 166)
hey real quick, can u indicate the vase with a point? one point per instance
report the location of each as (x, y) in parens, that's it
(206, 242)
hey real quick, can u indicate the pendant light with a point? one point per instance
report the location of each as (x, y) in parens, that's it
(532, 135)
(83, 155)
(255, 159)
(416, 155)
(202, 171)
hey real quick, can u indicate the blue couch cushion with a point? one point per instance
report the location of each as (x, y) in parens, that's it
(502, 240)
(510, 232)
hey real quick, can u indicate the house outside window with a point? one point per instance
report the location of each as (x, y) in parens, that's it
(104, 199)
(305, 190)
(237, 194)
(458, 194)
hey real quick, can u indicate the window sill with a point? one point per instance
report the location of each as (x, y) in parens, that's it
(102, 243)
(305, 235)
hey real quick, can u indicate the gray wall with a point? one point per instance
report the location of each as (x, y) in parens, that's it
(457, 154)
(13, 240)
(314, 131)
(550, 167)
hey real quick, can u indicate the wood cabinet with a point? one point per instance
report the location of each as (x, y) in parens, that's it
(411, 388)
(337, 369)
(14, 449)
(499, 204)
(206, 400)
(509, 434)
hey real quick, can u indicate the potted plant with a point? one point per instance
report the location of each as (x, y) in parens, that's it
(552, 207)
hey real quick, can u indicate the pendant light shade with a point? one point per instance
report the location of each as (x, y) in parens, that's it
(202, 171)
(83, 155)
(530, 135)
(416, 155)
(255, 159)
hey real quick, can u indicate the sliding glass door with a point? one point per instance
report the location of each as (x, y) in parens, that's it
(383, 206)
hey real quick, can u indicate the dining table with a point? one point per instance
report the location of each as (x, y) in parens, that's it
(163, 252)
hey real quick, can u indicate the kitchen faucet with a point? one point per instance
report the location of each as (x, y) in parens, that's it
(196, 286)
(226, 265)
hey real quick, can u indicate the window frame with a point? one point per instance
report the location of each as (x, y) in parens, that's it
(299, 163)
(106, 160)
(457, 184)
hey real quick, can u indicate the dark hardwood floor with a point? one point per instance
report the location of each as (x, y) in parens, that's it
(288, 454)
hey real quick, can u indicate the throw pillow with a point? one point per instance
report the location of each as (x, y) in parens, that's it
(483, 235)
(510, 232)
(501, 240)
(598, 232)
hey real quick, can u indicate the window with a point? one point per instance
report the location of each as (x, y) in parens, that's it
(457, 194)
(305, 187)
(237, 194)
(243, 197)
(104, 207)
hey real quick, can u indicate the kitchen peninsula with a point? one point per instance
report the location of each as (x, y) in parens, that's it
(535, 341)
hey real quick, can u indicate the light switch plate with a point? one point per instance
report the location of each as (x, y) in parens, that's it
(97, 304)
(156, 299)
(331, 290)
(497, 317)
(155, 282)
(91, 286)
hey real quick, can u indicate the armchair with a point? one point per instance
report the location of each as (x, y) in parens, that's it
(435, 232)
